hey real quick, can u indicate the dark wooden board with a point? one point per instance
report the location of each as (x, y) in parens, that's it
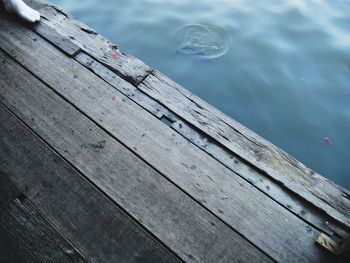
(102, 231)
(8, 192)
(182, 224)
(26, 236)
(258, 218)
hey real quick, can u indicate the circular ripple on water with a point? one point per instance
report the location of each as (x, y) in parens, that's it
(206, 41)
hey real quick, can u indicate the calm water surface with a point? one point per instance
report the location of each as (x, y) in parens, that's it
(286, 74)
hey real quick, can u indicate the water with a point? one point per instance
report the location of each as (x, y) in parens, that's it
(285, 73)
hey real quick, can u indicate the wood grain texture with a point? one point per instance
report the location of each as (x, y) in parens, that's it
(8, 192)
(277, 164)
(130, 91)
(177, 220)
(97, 227)
(284, 169)
(61, 42)
(291, 201)
(282, 195)
(262, 221)
(26, 236)
(126, 66)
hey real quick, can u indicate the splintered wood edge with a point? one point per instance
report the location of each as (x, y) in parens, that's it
(328, 244)
(126, 66)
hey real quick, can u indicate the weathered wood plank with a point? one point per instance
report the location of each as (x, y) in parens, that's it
(126, 66)
(130, 91)
(265, 184)
(291, 201)
(264, 222)
(50, 34)
(8, 192)
(97, 227)
(236, 138)
(25, 236)
(282, 195)
(324, 194)
(177, 220)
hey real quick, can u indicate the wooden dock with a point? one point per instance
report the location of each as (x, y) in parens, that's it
(104, 159)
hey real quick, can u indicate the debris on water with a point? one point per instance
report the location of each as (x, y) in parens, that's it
(328, 140)
(204, 41)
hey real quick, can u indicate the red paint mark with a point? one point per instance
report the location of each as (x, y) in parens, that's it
(114, 98)
(328, 141)
(115, 56)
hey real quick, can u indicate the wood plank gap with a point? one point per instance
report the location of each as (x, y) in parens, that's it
(142, 80)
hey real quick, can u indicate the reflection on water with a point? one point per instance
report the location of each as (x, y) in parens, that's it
(286, 75)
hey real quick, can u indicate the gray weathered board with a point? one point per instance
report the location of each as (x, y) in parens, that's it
(128, 166)
(96, 226)
(283, 170)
